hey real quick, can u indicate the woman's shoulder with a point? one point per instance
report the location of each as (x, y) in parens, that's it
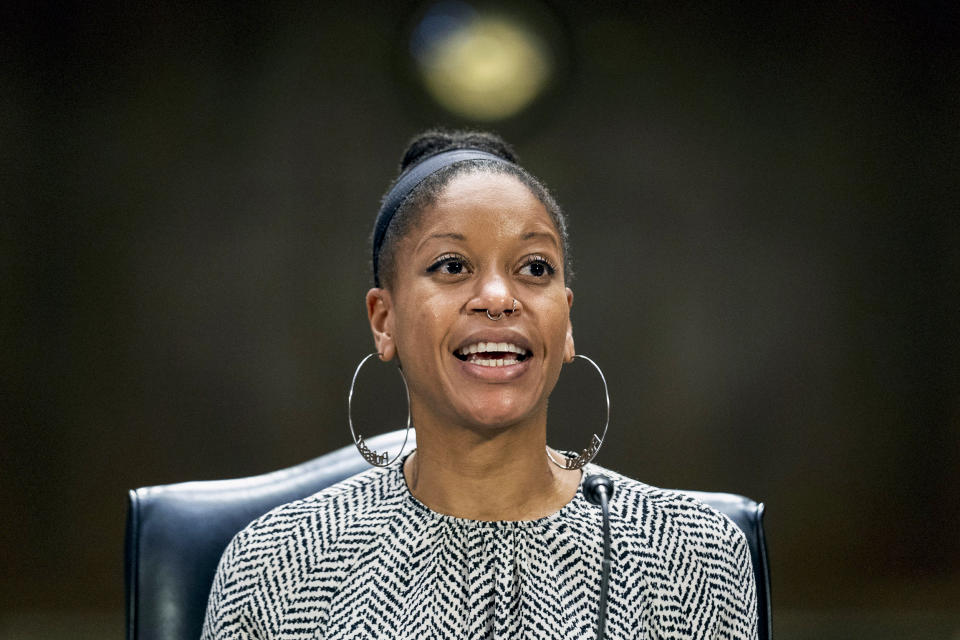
(678, 545)
(264, 561)
(659, 512)
(314, 523)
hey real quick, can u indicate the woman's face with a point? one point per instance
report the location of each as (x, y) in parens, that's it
(486, 242)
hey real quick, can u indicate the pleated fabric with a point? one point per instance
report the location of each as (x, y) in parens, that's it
(365, 559)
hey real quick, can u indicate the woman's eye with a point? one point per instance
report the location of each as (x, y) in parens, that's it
(537, 268)
(450, 266)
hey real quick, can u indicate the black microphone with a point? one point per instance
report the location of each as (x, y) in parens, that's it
(598, 489)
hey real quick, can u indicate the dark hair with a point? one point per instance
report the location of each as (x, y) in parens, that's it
(425, 194)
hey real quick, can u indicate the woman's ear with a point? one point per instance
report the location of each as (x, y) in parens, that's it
(380, 314)
(568, 349)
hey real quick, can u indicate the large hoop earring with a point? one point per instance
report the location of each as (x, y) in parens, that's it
(590, 452)
(371, 456)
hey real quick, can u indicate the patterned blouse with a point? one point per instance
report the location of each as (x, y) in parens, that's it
(365, 559)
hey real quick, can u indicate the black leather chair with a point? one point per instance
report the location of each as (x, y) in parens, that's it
(176, 534)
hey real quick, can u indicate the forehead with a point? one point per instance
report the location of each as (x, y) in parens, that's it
(487, 204)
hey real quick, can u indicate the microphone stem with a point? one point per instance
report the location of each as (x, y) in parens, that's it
(605, 574)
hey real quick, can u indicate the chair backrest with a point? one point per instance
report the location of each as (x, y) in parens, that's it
(176, 534)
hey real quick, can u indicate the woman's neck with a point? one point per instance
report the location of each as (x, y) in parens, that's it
(497, 475)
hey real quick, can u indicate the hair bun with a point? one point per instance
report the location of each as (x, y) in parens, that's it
(436, 141)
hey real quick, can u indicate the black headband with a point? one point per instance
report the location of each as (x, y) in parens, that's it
(407, 182)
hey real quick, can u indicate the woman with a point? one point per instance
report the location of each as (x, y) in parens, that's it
(482, 531)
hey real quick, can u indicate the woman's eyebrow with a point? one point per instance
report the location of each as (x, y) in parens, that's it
(451, 236)
(530, 235)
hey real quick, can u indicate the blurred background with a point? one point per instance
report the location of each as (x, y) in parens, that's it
(763, 205)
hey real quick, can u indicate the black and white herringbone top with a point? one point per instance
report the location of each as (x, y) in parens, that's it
(365, 559)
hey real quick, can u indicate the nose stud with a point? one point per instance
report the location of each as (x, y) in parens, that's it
(500, 315)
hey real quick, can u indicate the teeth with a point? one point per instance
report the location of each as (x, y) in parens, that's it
(503, 362)
(485, 347)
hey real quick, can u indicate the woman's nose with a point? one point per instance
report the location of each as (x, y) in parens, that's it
(494, 298)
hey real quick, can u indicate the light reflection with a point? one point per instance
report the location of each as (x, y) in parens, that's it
(484, 66)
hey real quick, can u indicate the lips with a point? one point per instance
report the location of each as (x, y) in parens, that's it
(492, 354)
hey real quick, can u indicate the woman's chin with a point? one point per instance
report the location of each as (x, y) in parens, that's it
(494, 411)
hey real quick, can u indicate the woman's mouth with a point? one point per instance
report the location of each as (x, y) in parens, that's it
(492, 354)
